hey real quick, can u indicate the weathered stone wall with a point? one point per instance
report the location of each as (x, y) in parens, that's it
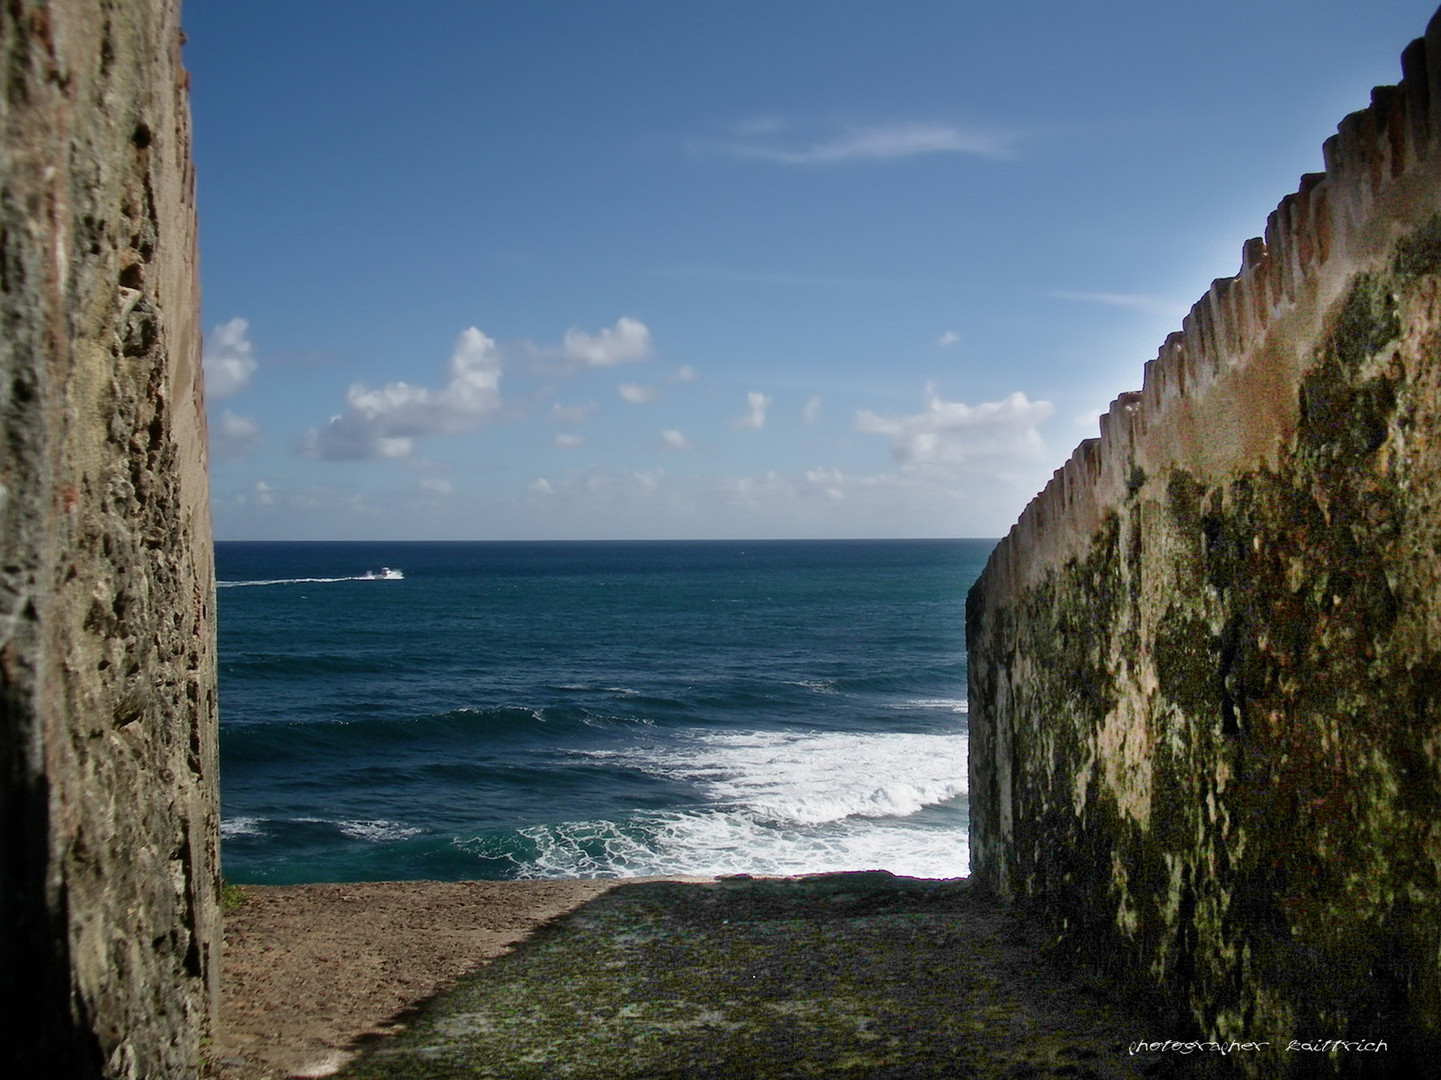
(108, 810)
(1205, 698)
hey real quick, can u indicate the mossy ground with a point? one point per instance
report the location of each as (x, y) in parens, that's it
(852, 975)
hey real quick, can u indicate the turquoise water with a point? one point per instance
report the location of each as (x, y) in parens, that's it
(513, 710)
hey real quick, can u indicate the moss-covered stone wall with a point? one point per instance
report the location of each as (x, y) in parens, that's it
(1205, 696)
(109, 919)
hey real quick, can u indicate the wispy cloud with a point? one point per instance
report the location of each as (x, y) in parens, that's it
(946, 340)
(812, 411)
(818, 501)
(232, 437)
(637, 394)
(830, 481)
(1121, 300)
(785, 278)
(567, 441)
(228, 360)
(761, 125)
(875, 142)
(755, 417)
(572, 414)
(674, 439)
(954, 433)
(385, 423)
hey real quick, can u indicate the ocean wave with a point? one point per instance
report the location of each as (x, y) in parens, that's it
(357, 738)
(819, 686)
(713, 842)
(810, 778)
(955, 705)
(377, 831)
(230, 828)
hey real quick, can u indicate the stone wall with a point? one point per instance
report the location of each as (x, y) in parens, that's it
(1205, 698)
(108, 812)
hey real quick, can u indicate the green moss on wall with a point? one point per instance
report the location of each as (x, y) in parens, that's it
(1225, 716)
(1420, 253)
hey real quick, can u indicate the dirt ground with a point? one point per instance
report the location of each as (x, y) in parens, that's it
(863, 964)
(310, 973)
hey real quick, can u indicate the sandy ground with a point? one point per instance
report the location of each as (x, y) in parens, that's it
(314, 974)
(311, 973)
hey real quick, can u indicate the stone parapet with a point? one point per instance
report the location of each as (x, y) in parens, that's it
(1205, 698)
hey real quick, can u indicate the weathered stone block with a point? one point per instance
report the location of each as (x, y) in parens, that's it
(108, 812)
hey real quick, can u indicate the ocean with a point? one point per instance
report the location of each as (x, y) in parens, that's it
(454, 711)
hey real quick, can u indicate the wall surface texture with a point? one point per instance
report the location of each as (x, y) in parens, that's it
(1205, 698)
(108, 812)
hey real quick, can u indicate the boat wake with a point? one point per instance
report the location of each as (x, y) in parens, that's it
(385, 573)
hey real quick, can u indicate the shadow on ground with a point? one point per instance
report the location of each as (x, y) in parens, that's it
(842, 975)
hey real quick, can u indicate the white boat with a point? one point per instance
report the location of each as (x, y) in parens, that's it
(386, 574)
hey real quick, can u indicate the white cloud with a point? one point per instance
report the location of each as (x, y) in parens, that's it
(541, 486)
(572, 414)
(685, 373)
(946, 340)
(228, 360)
(232, 438)
(761, 125)
(637, 394)
(954, 433)
(821, 501)
(385, 423)
(1122, 300)
(629, 339)
(264, 494)
(878, 142)
(436, 486)
(755, 417)
(566, 441)
(772, 277)
(830, 481)
(812, 412)
(674, 439)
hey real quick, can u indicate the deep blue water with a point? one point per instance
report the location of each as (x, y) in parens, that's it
(577, 709)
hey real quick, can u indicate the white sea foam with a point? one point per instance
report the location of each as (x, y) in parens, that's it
(955, 705)
(713, 842)
(820, 686)
(241, 826)
(779, 803)
(377, 832)
(374, 832)
(809, 778)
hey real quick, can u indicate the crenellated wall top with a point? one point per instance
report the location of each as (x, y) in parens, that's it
(1220, 393)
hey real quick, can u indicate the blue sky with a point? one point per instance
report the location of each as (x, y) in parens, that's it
(564, 270)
